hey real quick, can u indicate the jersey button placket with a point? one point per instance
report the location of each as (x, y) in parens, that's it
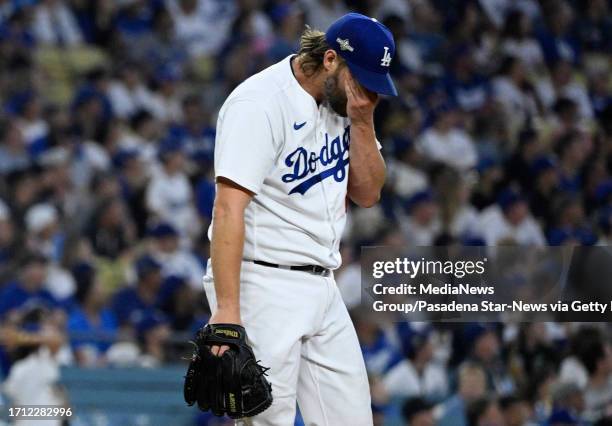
(322, 119)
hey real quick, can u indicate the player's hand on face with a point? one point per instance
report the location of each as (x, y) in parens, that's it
(223, 316)
(360, 101)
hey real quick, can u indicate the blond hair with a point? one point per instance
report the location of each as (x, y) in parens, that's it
(312, 50)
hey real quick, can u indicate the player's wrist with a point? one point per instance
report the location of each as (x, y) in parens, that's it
(365, 123)
(228, 314)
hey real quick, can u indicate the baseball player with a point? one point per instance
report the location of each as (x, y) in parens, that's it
(294, 143)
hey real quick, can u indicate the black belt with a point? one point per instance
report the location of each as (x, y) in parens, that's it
(311, 269)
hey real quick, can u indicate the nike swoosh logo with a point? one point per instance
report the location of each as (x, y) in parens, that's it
(298, 126)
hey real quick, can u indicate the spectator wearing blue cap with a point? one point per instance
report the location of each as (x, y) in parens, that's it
(510, 221)
(422, 224)
(446, 142)
(29, 288)
(169, 195)
(133, 303)
(174, 259)
(123, 158)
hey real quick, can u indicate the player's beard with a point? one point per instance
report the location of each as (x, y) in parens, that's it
(335, 95)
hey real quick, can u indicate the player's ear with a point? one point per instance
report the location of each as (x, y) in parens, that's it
(331, 61)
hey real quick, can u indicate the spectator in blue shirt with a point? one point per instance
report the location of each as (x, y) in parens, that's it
(133, 303)
(29, 288)
(556, 40)
(91, 325)
(196, 135)
(135, 19)
(465, 86)
(16, 31)
(379, 353)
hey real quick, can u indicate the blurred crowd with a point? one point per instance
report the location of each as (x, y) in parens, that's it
(502, 134)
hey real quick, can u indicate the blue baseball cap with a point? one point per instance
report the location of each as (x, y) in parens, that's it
(146, 264)
(367, 46)
(163, 230)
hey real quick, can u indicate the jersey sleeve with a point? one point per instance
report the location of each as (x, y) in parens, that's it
(244, 150)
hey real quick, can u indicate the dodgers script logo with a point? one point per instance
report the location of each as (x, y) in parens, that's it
(304, 163)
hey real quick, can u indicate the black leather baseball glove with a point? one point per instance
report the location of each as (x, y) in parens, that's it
(232, 384)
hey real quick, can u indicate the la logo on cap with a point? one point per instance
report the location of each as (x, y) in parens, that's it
(386, 59)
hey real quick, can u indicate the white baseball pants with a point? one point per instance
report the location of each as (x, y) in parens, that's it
(298, 326)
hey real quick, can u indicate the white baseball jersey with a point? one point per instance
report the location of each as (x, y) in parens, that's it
(274, 140)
